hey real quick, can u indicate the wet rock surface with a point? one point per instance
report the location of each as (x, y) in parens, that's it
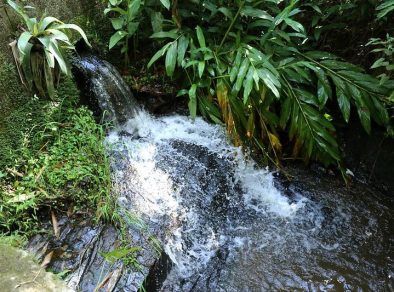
(78, 252)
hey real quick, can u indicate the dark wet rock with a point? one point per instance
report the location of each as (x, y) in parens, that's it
(79, 250)
(163, 104)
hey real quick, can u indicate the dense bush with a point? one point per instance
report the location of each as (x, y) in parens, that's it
(253, 65)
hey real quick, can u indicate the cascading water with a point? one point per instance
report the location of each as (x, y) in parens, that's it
(224, 223)
(104, 82)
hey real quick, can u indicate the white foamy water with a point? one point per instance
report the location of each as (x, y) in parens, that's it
(164, 178)
(150, 135)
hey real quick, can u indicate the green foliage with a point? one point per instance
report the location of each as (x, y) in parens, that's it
(41, 47)
(126, 254)
(385, 9)
(57, 159)
(247, 64)
(127, 16)
(384, 49)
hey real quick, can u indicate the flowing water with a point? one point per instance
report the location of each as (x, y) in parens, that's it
(228, 225)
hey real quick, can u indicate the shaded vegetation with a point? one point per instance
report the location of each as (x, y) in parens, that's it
(53, 159)
(259, 67)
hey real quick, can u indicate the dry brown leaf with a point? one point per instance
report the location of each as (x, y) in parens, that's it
(55, 225)
(47, 259)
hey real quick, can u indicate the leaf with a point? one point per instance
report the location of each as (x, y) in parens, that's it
(132, 28)
(235, 67)
(47, 259)
(157, 21)
(200, 37)
(54, 49)
(226, 12)
(323, 87)
(59, 35)
(55, 225)
(47, 21)
(133, 9)
(285, 112)
(248, 84)
(173, 34)
(344, 104)
(385, 8)
(270, 81)
(193, 101)
(115, 9)
(241, 74)
(117, 23)
(74, 27)
(171, 55)
(201, 67)
(116, 38)
(22, 43)
(256, 13)
(275, 142)
(294, 25)
(158, 54)
(183, 44)
(166, 3)
(365, 118)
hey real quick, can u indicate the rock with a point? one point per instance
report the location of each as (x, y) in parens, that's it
(79, 250)
(19, 272)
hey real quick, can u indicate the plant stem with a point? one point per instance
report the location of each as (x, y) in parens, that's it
(231, 26)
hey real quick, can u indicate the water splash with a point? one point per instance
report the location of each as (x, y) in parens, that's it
(187, 177)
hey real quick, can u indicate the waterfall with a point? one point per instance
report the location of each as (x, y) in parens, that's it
(104, 83)
(225, 223)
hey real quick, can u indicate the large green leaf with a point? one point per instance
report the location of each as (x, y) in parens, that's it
(46, 22)
(183, 44)
(116, 38)
(243, 70)
(133, 9)
(159, 54)
(171, 58)
(200, 37)
(23, 42)
(166, 3)
(54, 49)
(73, 27)
(117, 23)
(385, 8)
(173, 34)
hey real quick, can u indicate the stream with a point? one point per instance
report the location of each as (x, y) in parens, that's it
(228, 225)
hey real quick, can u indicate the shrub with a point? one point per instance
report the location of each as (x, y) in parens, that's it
(41, 47)
(249, 64)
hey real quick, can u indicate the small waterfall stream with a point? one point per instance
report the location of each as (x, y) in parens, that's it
(224, 222)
